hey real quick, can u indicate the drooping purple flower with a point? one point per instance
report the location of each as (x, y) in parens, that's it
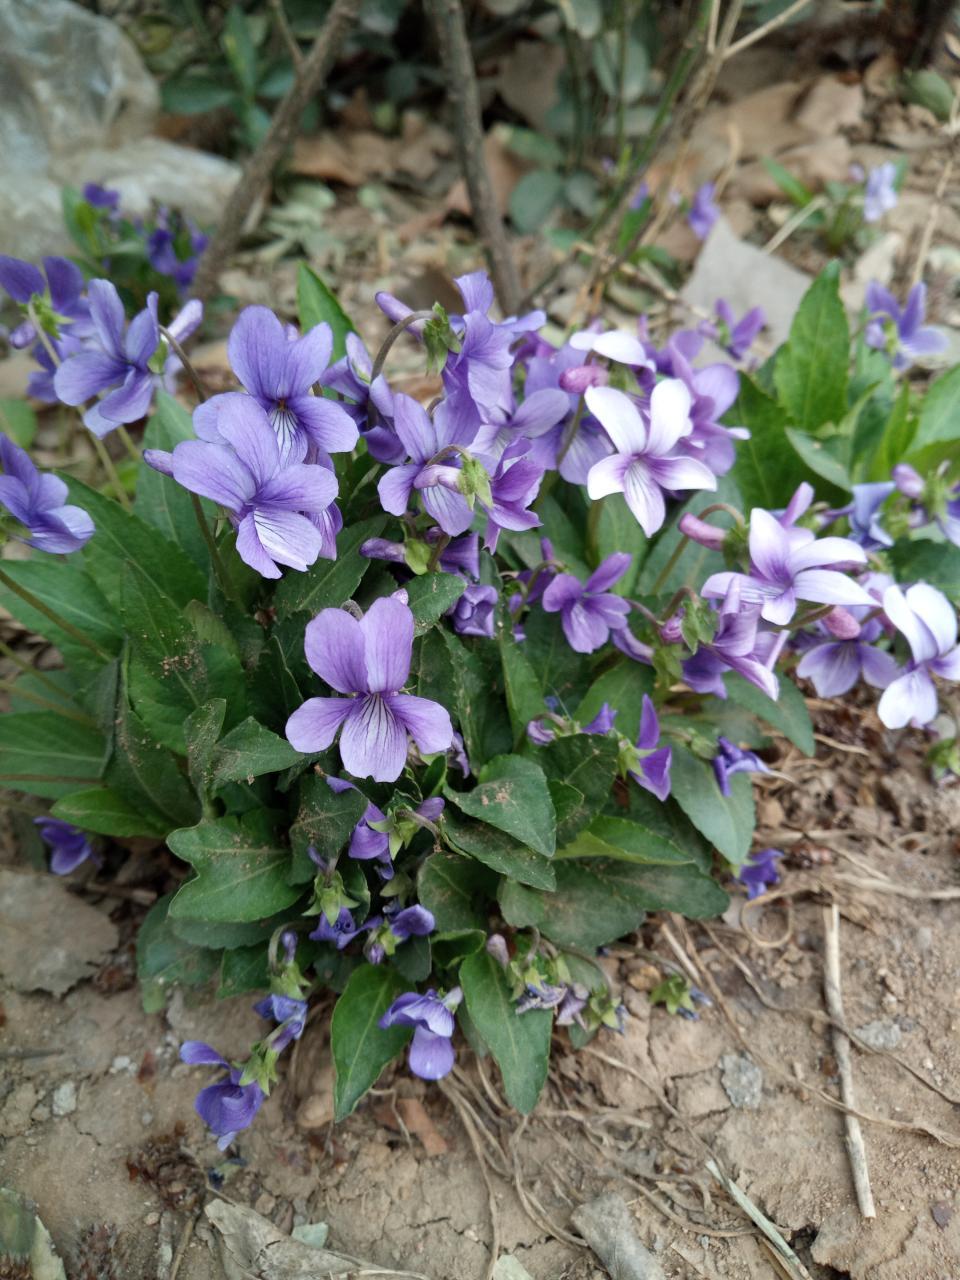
(929, 622)
(880, 192)
(341, 932)
(541, 995)
(646, 462)
(788, 565)
(731, 759)
(901, 332)
(603, 721)
(275, 508)
(38, 500)
(228, 1106)
(571, 1007)
(865, 526)
(115, 361)
(289, 1012)
(57, 292)
(760, 871)
(703, 211)
(279, 375)
(368, 660)
(410, 922)
(653, 766)
(162, 247)
(738, 645)
(431, 1052)
(69, 846)
(835, 665)
(460, 555)
(588, 610)
(426, 441)
(473, 614)
(738, 336)
(514, 484)
(101, 197)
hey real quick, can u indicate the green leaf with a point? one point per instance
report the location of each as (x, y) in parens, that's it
(925, 561)
(361, 1049)
(45, 754)
(728, 822)
(497, 850)
(455, 890)
(316, 305)
(160, 501)
(145, 774)
(248, 751)
(431, 595)
(627, 841)
(521, 683)
(696, 563)
(619, 531)
(243, 969)
(811, 371)
(589, 765)
(534, 198)
(623, 687)
(18, 421)
(768, 468)
(165, 961)
(930, 90)
(791, 187)
(561, 671)
(106, 813)
(468, 680)
(64, 586)
(938, 426)
(238, 45)
(190, 94)
(326, 820)
(789, 713)
(241, 870)
(817, 456)
(512, 795)
(201, 729)
(328, 583)
(599, 900)
(519, 1042)
(451, 947)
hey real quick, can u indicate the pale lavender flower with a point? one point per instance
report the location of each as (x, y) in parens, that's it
(38, 500)
(368, 660)
(431, 1054)
(738, 336)
(788, 565)
(703, 211)
(473, 613)
(116, 360)
(901, 332)
(645, 463)
(279, 375)
(836, 664)
(929, 622)
(589, 611)
(760, 871)
(731, 759)
(713, 389)
(228, 1106)
(603, 721)
(880, 193)
(739, 646)
(427, 441)
(58, 289)
(275, 508)
(865, 526)
(652, 771)
(615, 344)
(514, 484)
(69, 847)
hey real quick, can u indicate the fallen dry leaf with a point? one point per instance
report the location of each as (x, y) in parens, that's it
(830, 105)
(414, 1115)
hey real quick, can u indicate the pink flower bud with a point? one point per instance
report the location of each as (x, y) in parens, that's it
(698, 530)
(575, 381)
(842, 624)
(907, 480)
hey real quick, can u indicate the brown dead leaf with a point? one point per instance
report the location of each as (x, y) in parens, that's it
(528, 80)
(830, 105)
(422, 146)
(351, 158)
(415, 1117)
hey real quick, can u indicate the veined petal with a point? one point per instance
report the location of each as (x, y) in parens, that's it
(649, 734)
(670, 403)
(922, 641)
(540, 411)
(246, 427)
(314, 726)
(644, 497)
(779, 608)
(252, 551)
(586, 630)
(910, 698)
(833, 668)
(387, 630)
(681, 473)
(199, 1054)
(827, 586)
(373, 743)
(611, 570)
(106, 311)
(427, 722)
(936, 613)
(301, 487)
(607, 475)
(305, 361)
(326, 423)
(769, 546)
(257, 349)
(131, 400)
(412, 424)
(86, 374)
(334, 647)
(395, 487)
(214, 471)
(287, 536)
(619, 417)
(143, 336)
(827, 551)
(451, 511)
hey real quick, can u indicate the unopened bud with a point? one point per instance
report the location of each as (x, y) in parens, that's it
(577, 380)
(842, 624)
(907, 480)
(698, 530)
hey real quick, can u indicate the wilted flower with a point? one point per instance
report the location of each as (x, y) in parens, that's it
(760, 871)
(473, 613)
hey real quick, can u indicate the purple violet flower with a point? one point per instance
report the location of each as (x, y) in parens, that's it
(865, 526)
(473, 614)
(410, 922)
(901, 333)
(115, 361)
(788, 565)
(738, 336)
(431, 1053)
(731, 759)
(341, 932)
(291, 1015)
(38, 500)
(589, 611)
(834, 665)
(603, 721)
(880, 193)
(101, 197)
(368, 660)
(279, 375)
(645, 462)
(929, 622)
(759, 871)
(58, 289)
(228, 1106)
(703, 211)
(653, 770)
(69, 847)
(739, 646)
(426, 441)
(514, 484)
(280, 512)
(713, 390)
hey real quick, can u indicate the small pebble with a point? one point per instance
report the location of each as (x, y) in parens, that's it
(64, 1100)
(880, 1034)
(120, 1063)
(151, 1219)
(146, 1118)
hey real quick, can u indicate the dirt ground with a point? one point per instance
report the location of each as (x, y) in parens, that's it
(98, 1128)
(96, 1118)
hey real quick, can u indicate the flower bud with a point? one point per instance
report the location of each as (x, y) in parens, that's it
(698, 530)
(577, 380)
(842, 624)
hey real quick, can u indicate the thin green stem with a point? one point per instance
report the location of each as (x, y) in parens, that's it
(13, 686)
(669, 567)
(190, 371)
(381, 357)
(115, 482)
(129, 444)
(219, 568)
(438, 550)
(36, 603)
(593, 529)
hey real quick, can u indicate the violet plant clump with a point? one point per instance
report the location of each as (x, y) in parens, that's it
(414, 693)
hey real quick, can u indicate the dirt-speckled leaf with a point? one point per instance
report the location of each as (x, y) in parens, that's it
(165, 961)
(241, 870)
(45, 754)
(104, 812)
(498, 851)
(453, 888)
(325, 820)
(520, 1042)
(250, 750)
(512, 795)
(431, 595)
(360, 1048)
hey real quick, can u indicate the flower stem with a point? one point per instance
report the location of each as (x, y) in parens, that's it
(129, 444)
(669, 567)
(12, 656)
(188, 368)
(593, 529)
(219, 568)
(441, 546)
(35, 603)
(115, 482)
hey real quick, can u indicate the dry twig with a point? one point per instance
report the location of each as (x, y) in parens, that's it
(841, 1044)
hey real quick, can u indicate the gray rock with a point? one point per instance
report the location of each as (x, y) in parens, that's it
(880, 1034)
(610, 1230)
(64, 1101)
(742, 1081)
